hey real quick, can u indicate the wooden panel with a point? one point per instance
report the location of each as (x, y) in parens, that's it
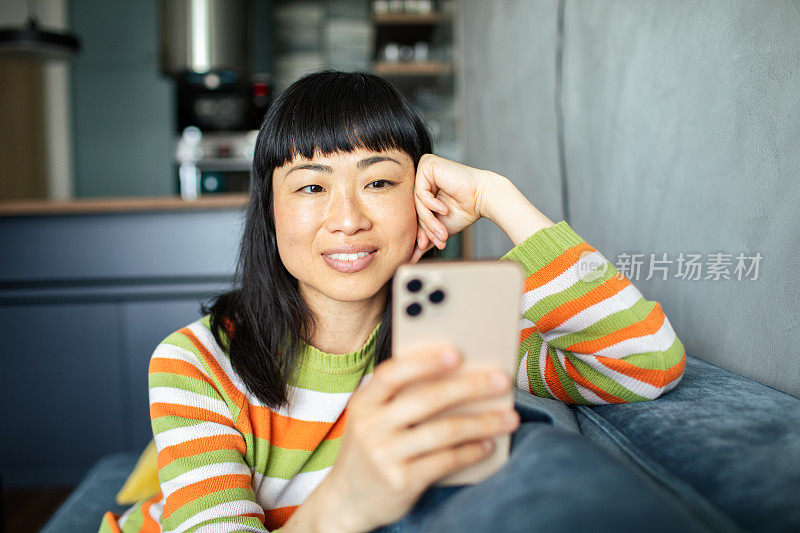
(22, 152)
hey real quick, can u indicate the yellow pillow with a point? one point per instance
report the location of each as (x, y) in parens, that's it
(143, 481)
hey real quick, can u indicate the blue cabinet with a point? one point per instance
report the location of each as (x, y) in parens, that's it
(84, 300)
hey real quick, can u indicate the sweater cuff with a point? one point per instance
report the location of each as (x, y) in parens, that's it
(543, 247)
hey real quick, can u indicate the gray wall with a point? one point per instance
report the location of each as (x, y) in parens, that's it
(680, 134)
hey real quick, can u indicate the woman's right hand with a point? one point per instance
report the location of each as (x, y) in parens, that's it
(391, 452)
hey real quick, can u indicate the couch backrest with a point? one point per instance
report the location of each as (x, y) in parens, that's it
(658, 127)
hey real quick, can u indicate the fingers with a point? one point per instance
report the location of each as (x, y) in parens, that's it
(452, 431)
(429, 234)
(414, 405)
(440, 463)
(396, 373)
(432, 226)
(431, 202)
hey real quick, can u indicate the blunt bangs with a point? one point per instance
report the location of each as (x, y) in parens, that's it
(332, 111)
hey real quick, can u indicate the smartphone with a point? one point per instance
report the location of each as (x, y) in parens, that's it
(473, 305)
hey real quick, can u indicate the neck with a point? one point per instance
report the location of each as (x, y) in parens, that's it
(344, 327)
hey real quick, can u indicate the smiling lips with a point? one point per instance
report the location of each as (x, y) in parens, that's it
(348, 263)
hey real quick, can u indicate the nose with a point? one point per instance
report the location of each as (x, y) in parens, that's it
(347, 213)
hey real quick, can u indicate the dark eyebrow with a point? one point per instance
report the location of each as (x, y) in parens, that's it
(364, 163)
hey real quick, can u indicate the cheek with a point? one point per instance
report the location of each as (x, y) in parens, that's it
(294, 230)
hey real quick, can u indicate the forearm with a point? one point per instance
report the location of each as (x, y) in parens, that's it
(319, 512)
(507, 207)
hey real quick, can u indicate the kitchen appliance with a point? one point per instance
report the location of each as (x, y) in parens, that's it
(220, 103)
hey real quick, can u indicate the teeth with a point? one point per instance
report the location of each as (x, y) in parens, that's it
(348, 257)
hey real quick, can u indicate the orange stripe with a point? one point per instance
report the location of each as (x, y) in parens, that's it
(185, 411)
(148, 524)
(197, 490)
(525, 333)
(198, 446)
(551, 377)
(220, 374)
(110, 519)
(176, 366)
(652, 376)
(578, 378)
(291, 433)
(564, 312)
(278, 517)
(557, 266)
(647, 326)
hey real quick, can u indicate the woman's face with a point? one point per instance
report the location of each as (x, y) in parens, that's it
(345, 201)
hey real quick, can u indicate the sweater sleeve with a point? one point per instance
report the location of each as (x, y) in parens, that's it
(202, 472)
(587, 335)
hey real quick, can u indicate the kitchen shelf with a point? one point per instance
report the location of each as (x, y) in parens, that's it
(410, 68)
(109, 205)
(409, 18)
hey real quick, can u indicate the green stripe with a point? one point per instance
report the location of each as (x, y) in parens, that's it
(605, 326)
(177, 381)
(564, 378)
(324, 382)
(210, 500)
(657, 360)
(283, 462)
(543, 246)
(604, 382)
(165, 423)
(535, 378)
(578, 289)
(247, 521)
(185, 464)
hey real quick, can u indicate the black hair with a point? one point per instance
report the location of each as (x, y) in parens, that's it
(261, 321)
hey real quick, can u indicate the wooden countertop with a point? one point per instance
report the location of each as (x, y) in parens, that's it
(111, 205)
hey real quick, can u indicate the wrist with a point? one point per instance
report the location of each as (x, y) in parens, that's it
(322, 511)
(492, 190)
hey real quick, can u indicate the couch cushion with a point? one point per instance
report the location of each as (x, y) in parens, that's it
(718, 440)
(84, 508)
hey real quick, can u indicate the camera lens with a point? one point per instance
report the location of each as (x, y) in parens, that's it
(414, 309)
(414, 285)
(436, 296)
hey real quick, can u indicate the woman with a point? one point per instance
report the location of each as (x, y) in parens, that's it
(248, 403)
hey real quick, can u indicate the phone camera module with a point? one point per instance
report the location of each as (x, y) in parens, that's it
(414, 309)
(414, 285)
(436, 296)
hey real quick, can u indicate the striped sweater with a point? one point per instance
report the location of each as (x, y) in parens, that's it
(228, 463)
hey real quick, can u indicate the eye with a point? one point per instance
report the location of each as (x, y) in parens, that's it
(307, 186)
(385, 181)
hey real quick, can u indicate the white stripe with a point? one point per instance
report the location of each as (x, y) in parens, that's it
(202, 473)
(206, 338)
(525, 323)
(274, 492)
(522, 374)
(228, 527)
(565, 280)
(180, 435)
(313, 405)
(222, 510)
(589, 395)
(176, 353)
(620, 301)
(155, 510)
(659, 341)
(632, 384)
(189, 399)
